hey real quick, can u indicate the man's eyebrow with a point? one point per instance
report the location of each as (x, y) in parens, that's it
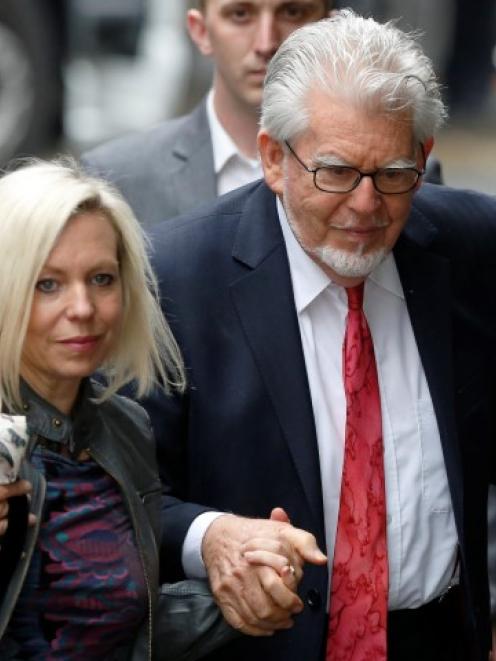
(402, 162)
(327, 160)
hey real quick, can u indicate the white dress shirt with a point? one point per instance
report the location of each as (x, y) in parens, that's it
(232, 169)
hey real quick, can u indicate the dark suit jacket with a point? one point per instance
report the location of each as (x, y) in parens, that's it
(243, 439)
(162, 172)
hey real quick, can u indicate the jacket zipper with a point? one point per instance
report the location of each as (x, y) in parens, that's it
(140, 549)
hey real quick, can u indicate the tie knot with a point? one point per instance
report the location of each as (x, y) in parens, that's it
(355, 297)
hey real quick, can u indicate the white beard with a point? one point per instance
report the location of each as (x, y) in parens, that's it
(347, 264)
(344, 263)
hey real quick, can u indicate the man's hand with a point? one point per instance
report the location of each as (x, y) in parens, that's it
(258, 597)
(20, 488)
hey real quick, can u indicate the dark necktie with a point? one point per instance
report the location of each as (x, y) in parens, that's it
(359, 584)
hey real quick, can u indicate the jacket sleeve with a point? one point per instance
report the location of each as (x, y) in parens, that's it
(169, 418)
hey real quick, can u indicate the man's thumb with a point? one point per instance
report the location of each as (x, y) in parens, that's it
(278, 514)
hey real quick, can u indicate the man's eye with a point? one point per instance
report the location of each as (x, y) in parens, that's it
(47, 285)
(103, 279)
(395, 174)
(338, 171)
(238, 14)
(301, 13)
(294, 12)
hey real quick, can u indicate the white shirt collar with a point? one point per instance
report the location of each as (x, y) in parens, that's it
(224, 148)
(309, 280)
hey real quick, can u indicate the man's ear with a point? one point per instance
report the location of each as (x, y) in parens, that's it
(428, 145)
(197, 28)
(272, 157)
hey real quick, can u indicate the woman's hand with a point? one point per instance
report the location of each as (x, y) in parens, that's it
(19, 488)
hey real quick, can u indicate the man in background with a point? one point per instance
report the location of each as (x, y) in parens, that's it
(186, 161)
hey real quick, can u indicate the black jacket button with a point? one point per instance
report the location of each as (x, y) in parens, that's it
(314, 599)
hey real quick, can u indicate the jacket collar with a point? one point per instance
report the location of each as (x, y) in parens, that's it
(47, 421)
(192, 181)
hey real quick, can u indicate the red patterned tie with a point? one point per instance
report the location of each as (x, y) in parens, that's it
(359, 585)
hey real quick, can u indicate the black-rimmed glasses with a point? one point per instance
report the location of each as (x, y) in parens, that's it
(344, 178)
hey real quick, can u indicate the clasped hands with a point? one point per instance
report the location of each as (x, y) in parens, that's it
(254, 567)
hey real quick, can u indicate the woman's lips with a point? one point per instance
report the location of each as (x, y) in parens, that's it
(81, 342)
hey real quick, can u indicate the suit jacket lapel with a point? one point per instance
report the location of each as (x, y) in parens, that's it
(264, 301)
(194, 180)
(425, 277)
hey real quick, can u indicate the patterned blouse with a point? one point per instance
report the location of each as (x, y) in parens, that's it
(85, 594)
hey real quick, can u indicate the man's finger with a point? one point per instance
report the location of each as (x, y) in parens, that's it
(281, 594)
(237, 622)
(291, 574)
(305, 544)
(262, 557)
(279, 514)
(247, 607)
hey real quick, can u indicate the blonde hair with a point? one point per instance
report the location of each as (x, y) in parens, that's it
(37, 200)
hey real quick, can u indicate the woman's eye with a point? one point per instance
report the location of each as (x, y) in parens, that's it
(47, 285)
(103, 279)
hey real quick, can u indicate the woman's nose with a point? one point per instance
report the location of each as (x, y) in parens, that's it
(80, 302)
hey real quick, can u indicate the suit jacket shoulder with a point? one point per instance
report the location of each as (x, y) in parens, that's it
(163, 171)
(234, 231)
(460, 224)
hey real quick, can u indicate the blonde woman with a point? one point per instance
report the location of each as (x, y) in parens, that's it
(77, 295)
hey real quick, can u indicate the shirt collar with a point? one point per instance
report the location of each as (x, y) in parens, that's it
(309, 280)
(223, 146)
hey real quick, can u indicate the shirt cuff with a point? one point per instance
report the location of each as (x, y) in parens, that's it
(191, 557)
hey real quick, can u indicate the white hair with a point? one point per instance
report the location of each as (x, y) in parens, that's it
(369, 65)
(36, 203)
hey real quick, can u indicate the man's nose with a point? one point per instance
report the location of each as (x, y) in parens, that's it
(365, 199)
(267, 37)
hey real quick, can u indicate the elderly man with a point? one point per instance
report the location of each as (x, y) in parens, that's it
(184, 162)
(371, 424)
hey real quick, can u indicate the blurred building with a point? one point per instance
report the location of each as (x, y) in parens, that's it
(86, 70)
(74, 73)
